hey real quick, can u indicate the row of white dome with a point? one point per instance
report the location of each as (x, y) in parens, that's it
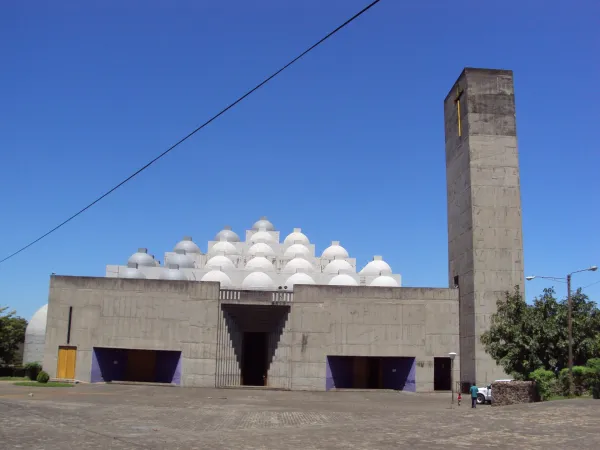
(334, 251)
(260, 263)
(261, 280)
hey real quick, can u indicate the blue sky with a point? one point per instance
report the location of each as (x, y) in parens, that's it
(348, 144)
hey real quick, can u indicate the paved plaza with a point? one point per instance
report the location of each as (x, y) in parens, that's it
(157, 417)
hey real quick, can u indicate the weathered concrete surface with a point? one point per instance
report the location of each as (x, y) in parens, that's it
(367, 321)
(485, 243)
(188, 316)
(146, 417)
(134, 314)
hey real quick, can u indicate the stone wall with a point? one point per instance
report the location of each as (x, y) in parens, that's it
(513, 392)
(420, 323)
(134, 314)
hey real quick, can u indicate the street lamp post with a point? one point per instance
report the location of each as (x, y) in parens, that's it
(452, 356)
(569, 316)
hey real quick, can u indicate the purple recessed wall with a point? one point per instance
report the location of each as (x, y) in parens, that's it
(396, 373)
(110, 364)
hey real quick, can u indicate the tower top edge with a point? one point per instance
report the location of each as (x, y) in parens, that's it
(477, 70)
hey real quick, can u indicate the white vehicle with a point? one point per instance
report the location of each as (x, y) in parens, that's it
(484, 394)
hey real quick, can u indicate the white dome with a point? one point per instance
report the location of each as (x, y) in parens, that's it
(258, 281)
(384, 281)
(262, 236)
(217, 275)
(263, 223)
(131, 272)
(376, 267)
(298, 264)
(299, 278)
(223, 248)
(335, 250)
(182, 260)
(226, 234)
(343, 280)
(172, 274)
(187, 245)
(336, 265)
(142, 258)
(260, 263)
(296, 237)
(35, 336)
(261, 247)
(219, 262)
(295, 250)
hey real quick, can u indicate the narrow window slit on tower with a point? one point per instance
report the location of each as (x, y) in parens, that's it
(69, 325)
(459, 93)
(455, 281)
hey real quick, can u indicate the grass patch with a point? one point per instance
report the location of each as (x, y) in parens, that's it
(566, 397)
(49, 384)
(14, 379)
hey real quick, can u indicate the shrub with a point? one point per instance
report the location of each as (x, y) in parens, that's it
(593, 363)
(43, 377)
(32, 370)
(545, 382)
(583, 380)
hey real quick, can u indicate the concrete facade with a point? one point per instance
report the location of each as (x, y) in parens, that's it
(199, 320)
(484, 207)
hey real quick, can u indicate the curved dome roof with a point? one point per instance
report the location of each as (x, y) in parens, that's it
(226, 234)
(258, 281)
(384, 281)
(376, 267)
(296, 264)
(219, 262)
(131, 272)
(172, 274)
(263, 222)
(182, 260)
(343, 280)
(219, 276)
(187, 245)
(260, 263)
(262, 236)
(142, 258)
(261, 247)
(37, 324)
(35, 336)
(224, 248)
(336, 265)
(299, 278)
(297, 250)
(296, 237)
(335, 250)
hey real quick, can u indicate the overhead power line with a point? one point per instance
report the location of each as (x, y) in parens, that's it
(182, 140)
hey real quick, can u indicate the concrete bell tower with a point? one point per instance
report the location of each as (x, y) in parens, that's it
(485, 244)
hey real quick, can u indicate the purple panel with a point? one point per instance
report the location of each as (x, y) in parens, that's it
(168, 367)
(339, 372)
(108, 364)
(399, 373)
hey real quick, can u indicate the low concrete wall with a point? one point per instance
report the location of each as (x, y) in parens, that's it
(513, 392)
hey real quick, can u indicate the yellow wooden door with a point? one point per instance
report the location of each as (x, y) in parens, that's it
(66, 362)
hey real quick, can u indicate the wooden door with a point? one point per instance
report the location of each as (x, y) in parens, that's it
(141, 365)
(67, 357)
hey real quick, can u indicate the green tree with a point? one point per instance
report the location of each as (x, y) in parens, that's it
(512, 339)
(12, 333)
(523, 338)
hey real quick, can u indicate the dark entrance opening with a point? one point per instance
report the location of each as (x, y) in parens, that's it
(255, 358)
(442, 368)
(150, 366)
(370, 372)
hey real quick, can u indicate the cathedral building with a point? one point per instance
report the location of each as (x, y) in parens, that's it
(271, 311)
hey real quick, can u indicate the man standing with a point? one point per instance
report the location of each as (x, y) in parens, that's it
(474, 392)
